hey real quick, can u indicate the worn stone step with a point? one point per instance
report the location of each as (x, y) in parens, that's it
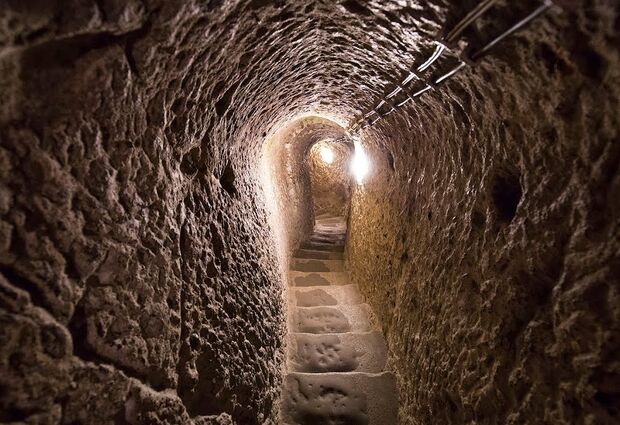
(330, 223)
(320, 246)
(318, 255)
(354, 398)
(299, 278)
(335, 233)
(328, 216)
(332, 319)
(329, 228)
(325, 241)
(315, 296)
(343, 352)
(330, 232)
(324, 218)
(329, 239)
(313, 265)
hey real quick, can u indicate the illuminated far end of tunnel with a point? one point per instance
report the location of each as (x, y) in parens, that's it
(285, 174)
(327, 154)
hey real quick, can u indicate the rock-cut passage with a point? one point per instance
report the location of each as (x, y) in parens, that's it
(336, 354)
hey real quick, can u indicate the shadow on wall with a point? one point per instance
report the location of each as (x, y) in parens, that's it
(330, 179)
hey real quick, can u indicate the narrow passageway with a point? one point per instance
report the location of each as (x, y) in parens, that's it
(336, 354)
(320, 212)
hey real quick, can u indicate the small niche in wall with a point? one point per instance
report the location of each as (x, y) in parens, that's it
(506, 193)
(227, 180)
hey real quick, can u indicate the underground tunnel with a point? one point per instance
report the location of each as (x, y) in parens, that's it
(309, 212)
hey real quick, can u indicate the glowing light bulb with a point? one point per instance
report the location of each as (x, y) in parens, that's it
(360, 165)
(327, 155)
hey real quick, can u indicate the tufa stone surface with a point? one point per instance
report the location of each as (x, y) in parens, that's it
(141, 269)
(487, 236)
(330, 182)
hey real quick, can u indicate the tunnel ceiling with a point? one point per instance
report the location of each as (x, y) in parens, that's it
(256, 64)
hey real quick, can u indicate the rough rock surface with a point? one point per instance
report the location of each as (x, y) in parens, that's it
(288, 176)
(330, 182)
(492, 222)
(139, 277)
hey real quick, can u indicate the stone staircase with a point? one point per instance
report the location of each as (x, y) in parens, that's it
(336, 353)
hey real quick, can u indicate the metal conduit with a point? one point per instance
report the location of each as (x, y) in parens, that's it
(535, 14)
(471, 17)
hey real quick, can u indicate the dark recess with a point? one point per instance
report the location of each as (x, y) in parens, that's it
(506, 193)
(227, 180)
(191, 161)
(223, 103)
(356, 8)
(16, 278)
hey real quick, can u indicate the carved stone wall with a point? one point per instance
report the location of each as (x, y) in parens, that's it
(139, 280)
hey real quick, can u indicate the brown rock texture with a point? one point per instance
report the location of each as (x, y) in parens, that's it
(330, 182)
(290, 177)
(140, 273)
(491, 218)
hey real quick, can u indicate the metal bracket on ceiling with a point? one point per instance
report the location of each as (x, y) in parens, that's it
(366, 121)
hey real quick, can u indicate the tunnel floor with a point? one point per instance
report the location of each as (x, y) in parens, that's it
(336, 352)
